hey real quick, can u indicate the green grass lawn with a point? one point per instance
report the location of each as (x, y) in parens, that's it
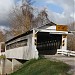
(42, 67)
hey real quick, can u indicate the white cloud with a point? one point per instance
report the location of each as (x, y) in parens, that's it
(5, 6)
(60, 18)
(68, 13)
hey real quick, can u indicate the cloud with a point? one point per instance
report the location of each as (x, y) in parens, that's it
(5, 6)
(4, 29)
(59, 18)
(66, 16)
(68, 13)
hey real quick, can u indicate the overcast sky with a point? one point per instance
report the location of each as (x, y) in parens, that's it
(60, 11)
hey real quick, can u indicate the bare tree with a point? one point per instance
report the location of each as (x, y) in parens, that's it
(27, 11)
(71, 38)
(41, 19)
(22, 19)
(2, 39)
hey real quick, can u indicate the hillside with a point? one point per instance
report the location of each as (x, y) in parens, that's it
(42, 67)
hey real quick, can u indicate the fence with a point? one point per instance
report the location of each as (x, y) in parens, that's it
(66, 52)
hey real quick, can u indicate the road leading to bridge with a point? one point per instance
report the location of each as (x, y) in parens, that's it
(65, 59)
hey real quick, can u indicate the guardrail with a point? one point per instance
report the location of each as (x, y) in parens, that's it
(66, 52)
(72, 53)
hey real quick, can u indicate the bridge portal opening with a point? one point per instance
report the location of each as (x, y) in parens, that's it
(47, 44)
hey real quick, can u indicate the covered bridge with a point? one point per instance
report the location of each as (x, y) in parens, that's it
(45, 40)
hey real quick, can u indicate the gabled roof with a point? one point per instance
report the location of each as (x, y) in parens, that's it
(29, 32)
(49, 24)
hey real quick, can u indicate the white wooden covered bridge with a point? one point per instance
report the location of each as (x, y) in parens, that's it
(46, 40)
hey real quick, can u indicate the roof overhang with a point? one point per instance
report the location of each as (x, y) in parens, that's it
(51, 31)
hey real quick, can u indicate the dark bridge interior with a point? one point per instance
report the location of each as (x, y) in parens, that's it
(47, 44)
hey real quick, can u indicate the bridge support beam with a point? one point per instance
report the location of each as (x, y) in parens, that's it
(2, 69)
(15, 64)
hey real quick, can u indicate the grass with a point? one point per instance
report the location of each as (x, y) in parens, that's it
(42, 67)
